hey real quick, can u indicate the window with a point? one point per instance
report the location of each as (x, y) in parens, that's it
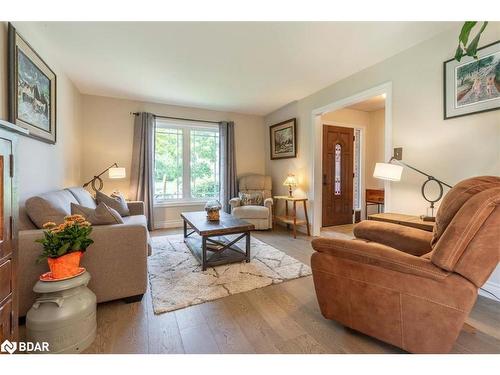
(186, 161)
(338, 159)
(357, 169)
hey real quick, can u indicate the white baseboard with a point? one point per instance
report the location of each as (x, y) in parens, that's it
(490, 287)
(166, 224)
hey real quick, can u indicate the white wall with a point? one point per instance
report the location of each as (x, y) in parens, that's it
(109, 132)
(43, 167)
(374, 147)
(452, 150)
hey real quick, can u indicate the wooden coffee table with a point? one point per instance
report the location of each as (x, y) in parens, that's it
(211, 248)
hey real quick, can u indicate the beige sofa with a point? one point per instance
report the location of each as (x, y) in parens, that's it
(260, 216)
(117, 261)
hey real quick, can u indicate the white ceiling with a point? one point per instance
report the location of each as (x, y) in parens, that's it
(247, 67)
(370, 105)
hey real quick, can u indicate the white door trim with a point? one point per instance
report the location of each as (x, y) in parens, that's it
(317, 144)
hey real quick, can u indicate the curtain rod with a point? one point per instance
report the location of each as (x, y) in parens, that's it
(178, 118)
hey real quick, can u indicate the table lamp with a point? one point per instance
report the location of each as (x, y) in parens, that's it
(392, 172)
(290, 181)
(114, 172)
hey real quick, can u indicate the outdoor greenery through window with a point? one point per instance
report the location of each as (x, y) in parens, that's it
(186, 161)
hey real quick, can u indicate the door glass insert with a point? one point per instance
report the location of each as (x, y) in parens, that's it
(337, 164)
(357, 169)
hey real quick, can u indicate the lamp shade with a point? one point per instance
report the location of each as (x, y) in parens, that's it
(117, 172)
(290, 181)
(387, 171)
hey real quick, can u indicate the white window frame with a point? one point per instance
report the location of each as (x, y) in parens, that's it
(186, 127)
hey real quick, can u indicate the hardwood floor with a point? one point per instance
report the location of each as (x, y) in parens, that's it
(283, 318)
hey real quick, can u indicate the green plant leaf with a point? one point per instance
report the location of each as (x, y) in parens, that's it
(485, 23)
(459, 53)
(465, 32)
(471, 49)
(63, 249)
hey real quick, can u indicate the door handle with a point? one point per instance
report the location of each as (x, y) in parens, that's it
(324, 180)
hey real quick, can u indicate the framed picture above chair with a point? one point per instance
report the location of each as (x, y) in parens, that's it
(32, 90)
(472, 85)
(283, 139)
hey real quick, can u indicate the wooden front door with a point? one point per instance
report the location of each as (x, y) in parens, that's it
(338, 145)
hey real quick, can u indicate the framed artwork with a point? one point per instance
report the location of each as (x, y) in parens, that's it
(473, 85)
(32, 90)
(283, 137)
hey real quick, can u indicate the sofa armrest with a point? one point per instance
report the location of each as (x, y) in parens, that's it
(136, 207)
(268, 202)
(410, 240)
(379, 255)
(235, 202)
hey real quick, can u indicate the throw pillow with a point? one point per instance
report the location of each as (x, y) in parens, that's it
(252, 199)
(101, 215)
(115, 201)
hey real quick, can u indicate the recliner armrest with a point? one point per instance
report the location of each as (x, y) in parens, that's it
(235, 202)
(268, 202)
(379, 255)
(410, 240)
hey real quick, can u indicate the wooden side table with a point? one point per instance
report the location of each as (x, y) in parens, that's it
(401, 219)
(374, 197)
(292, 219)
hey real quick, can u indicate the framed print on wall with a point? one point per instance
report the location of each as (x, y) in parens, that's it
(32, 90)
(473, 85)
(283, 137)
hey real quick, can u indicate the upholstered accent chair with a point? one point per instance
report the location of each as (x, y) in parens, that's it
(260, 216)
(411, 288)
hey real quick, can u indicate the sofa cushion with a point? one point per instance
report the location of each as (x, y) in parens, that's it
(251, 212)
(114, 201)
(52, 206)
(101, 215)
(82, 196)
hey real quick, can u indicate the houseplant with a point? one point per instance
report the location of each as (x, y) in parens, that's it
(64, 245)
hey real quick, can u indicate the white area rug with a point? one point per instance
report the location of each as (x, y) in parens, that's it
(177, 280)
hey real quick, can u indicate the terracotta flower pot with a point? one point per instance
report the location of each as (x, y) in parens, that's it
(66, 265)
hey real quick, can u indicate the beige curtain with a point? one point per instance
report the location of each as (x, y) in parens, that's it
(142, 170)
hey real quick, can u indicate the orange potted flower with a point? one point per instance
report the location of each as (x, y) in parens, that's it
(64, 245)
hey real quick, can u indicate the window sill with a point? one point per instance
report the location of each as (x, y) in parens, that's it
(181, 203)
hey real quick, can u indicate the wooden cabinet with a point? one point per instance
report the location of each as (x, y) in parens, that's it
(6, 323)
(8, 253)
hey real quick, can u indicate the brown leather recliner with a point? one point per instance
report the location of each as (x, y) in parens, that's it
(411, 288)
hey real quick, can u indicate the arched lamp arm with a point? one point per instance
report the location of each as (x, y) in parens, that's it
(419, 171)
(98, 178)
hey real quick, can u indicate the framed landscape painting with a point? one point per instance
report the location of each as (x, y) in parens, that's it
(283, 138)
(32, 90)
(473, 85)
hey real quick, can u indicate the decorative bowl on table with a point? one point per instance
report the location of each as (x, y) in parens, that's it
(213, 208)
